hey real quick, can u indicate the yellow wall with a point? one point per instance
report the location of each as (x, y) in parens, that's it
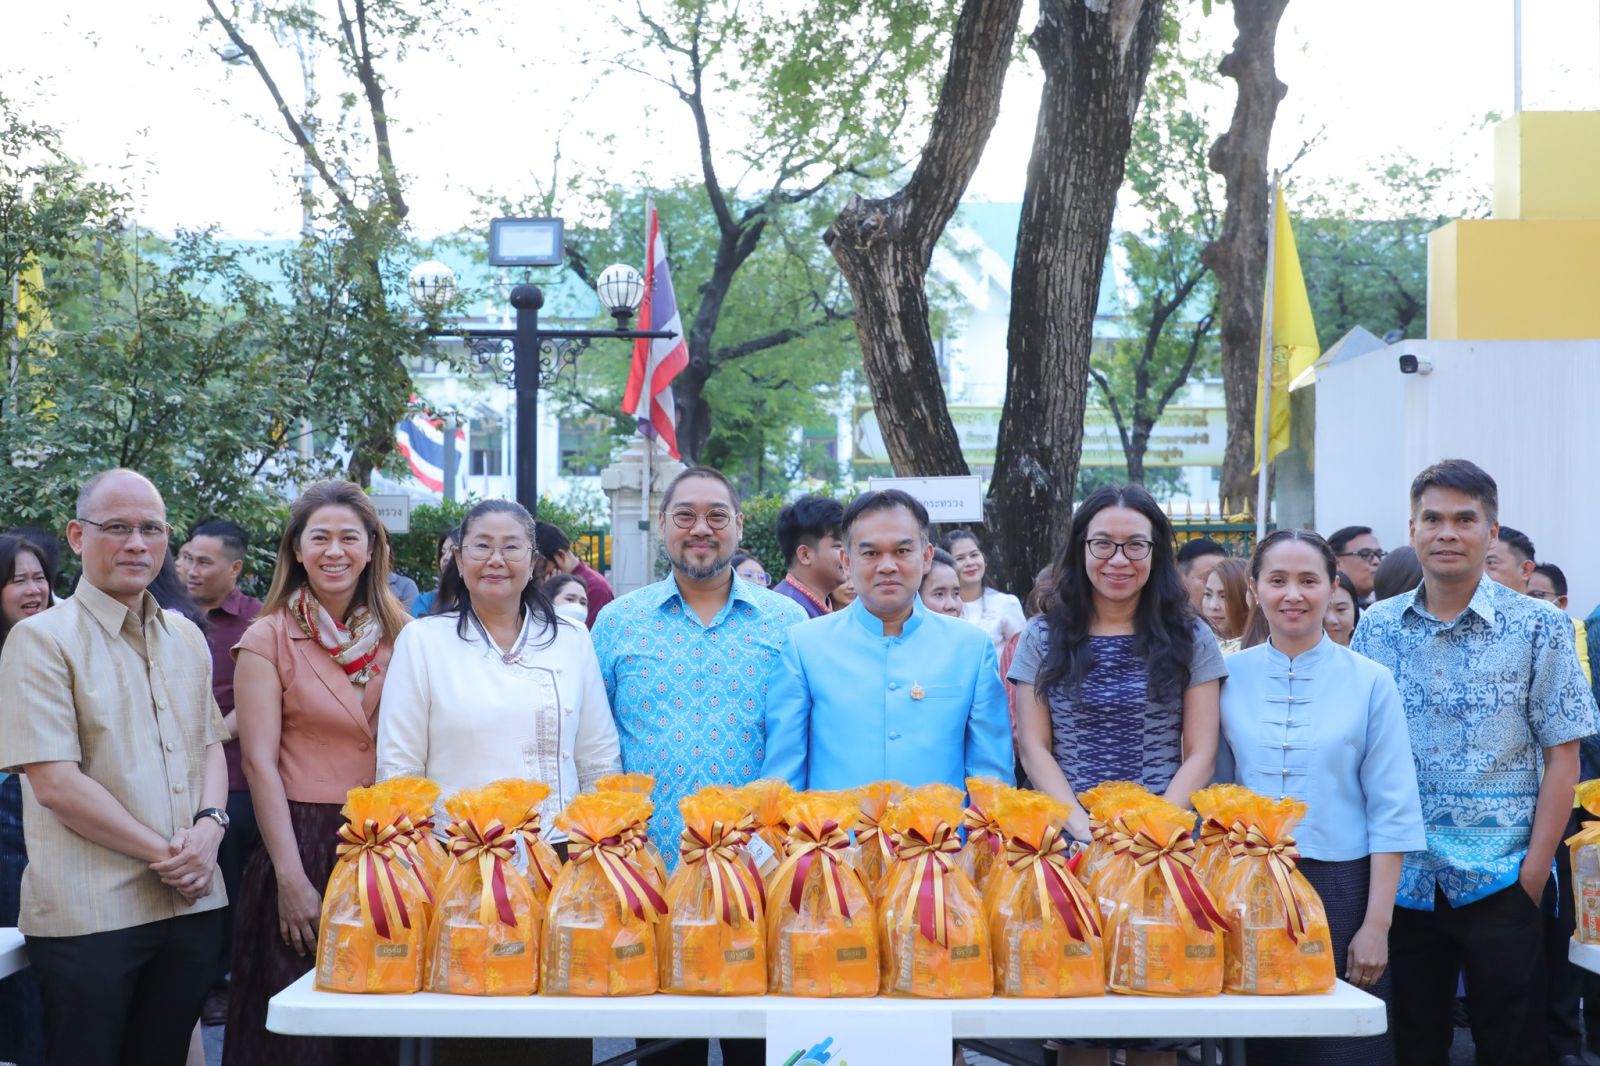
(1532, 272)
(1547, 165)
(1494, 279)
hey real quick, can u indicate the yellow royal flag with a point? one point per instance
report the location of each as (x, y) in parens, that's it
(1293, 334)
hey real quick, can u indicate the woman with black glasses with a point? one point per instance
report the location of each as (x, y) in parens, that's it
(1118, 679)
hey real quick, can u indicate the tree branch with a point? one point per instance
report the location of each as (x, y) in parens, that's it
(296, 130)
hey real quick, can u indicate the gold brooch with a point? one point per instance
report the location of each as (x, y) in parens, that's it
(916, 692)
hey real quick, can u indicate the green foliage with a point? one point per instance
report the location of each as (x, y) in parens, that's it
(1364, 245)
(761, 532)
(175, 357)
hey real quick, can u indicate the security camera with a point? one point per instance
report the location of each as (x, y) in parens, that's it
(1410, 364)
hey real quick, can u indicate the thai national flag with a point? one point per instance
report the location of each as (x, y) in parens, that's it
(420, 439)
(656, 362)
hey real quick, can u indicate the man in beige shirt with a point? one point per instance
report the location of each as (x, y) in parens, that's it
(106, 708)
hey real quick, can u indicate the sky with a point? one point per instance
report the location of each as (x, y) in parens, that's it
(139, 93)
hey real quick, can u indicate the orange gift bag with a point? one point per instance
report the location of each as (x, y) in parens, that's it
(765, 800)
(1165, 937)
(484, 938)
(1278, 943)
(542, 863)
(417, 797)
(871, 853)
(1585, 855)
(1043, 925)
(600, 930)
(648, 857)
(1218, 807)
(983, 853)
(931, 928)
(371, 935)
(716, 932)
(1103, 803)
(822, 938)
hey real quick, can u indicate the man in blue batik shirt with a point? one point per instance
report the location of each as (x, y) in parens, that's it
(1493, 693)
(685, 663)
(886, 689)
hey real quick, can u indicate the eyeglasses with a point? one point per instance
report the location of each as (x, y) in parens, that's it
(151, 531)
(1132, 550)
(717, 519)
(1541, 594)
(511, 553)
(1367, 555)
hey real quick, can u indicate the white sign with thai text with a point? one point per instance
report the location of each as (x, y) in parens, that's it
(394, 512)
(879, 1036)
(948, 499)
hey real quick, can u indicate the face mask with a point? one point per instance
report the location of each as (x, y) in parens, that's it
(576, 613)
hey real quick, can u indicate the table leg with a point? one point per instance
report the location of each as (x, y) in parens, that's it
(408, 1051)
(1208, 1052)
(1233, 1051)
(642, 1048)
(425, 1051)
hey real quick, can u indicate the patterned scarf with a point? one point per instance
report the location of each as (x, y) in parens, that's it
(354, 646)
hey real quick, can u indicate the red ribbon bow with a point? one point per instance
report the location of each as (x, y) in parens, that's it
(491, 848)
(929, 890)
(633, 890)
(745, 831)
(1048, 860)
(375, 849)
(982, 826)
(409, 843)
(529, 829)
(1175, 862)
(806, 848)
(720, 854)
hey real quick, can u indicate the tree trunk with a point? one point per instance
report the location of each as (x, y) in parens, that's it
(1239, 256)
(1095, 54)
(883, 247)
(736, 244)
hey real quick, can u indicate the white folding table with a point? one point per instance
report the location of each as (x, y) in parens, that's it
(1584, 955)
(13, 956)
(424, 1016)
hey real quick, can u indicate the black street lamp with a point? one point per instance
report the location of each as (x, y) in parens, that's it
(536, 354)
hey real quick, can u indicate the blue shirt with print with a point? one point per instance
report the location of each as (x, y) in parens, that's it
(1483, 693)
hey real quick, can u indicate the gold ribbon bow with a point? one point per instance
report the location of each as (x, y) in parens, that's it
(529, 829)
(1174, 860)
(491, 848)
(633, 889)
(374, 850)
(868, 830)
(745, 831)
(979, 824)
(806, 848)
(721, 855)
(1048, 861)
(1281, 858)
(1213, 834)
(928, 892)
(409, 844)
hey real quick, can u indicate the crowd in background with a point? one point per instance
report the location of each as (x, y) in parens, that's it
(177, 752)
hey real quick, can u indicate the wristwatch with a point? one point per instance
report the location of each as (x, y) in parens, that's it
(216, 814)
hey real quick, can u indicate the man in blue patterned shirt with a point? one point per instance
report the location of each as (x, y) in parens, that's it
(686, 660)
(1493, 695)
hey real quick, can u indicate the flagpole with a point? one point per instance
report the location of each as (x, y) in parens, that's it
(1264, 415)
(649, 441)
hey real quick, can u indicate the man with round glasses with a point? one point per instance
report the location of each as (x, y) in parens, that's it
(1358, 554)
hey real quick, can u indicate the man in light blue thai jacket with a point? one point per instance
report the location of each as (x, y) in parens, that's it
(886, 689)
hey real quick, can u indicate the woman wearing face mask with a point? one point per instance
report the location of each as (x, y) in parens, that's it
(310, 675)
(1304, 717)
(569, 596)
(501, 685)
(25, 589)
(941, 588)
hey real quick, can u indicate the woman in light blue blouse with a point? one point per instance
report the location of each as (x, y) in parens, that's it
(1304, 717)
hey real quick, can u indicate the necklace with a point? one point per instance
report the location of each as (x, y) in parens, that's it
(512, 657)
